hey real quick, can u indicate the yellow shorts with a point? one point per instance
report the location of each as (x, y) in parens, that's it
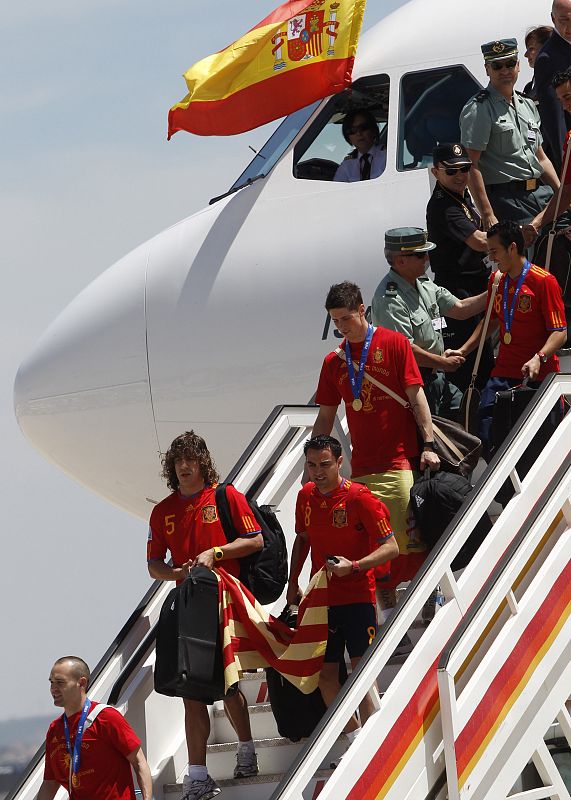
(393, 488)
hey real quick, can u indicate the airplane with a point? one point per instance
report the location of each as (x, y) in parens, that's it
(214, 321)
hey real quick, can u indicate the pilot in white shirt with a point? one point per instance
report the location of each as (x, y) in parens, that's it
(369, 158)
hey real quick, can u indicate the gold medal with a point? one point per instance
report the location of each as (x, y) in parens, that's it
(507, 337)
(357, 404)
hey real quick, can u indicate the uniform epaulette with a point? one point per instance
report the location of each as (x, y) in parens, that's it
(481, 96)
(353, 154)
(439, 193)
(391, 290)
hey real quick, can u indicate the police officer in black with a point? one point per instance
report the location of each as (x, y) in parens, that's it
(459, 260)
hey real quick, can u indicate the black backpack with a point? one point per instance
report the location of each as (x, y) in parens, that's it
(435, 499)
(264, 573)
(188, 650)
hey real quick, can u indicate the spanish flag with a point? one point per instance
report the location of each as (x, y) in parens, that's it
(252, 638)
(299, 53)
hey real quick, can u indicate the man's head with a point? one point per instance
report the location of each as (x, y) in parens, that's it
(406, 250)
(344, 302)
(561, 16)
(562, 84)
(188, 460)
(506, 245)
(452, 166)
(535, 38)
(501, 63)
(69, 679)
(323, 460)
(360, 129)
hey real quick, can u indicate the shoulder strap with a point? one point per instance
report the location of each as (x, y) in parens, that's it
(375, 382)
(495, 284)
(94, 713)
(223, 507)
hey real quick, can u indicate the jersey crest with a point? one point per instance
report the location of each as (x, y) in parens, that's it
(378, 355)
(209, 514)
(524, 303)
(339, 517)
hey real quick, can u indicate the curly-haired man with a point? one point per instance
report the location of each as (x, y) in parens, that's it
(187, 524)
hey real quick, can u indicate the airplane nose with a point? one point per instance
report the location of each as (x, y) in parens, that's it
(82, 396)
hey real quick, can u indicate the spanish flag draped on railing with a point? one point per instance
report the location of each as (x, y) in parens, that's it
(299, 53)
(252, 638)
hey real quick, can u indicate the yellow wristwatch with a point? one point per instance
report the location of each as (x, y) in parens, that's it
(218, 553)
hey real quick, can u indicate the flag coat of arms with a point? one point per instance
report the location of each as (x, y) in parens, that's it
(301, 52)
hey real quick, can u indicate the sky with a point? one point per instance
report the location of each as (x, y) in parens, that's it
(87, 175)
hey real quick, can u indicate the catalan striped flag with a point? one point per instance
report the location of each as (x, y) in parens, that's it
(299, 53)
(252, 638)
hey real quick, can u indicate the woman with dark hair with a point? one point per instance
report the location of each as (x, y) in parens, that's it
(535, 38)
(369, 158)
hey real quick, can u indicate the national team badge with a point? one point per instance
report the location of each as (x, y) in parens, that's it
(339, 517)
(524, 303)
(378, 356)
(209, 514)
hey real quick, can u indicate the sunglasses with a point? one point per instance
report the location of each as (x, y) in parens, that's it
(498, 65)
(359, 128)
(455, 170)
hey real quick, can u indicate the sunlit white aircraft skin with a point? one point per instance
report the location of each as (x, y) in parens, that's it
(219, 318)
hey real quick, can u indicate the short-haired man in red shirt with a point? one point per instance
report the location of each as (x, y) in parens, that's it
(187, 524)
(529, 313)
(90, 756)
(346, 528)
(383, 433)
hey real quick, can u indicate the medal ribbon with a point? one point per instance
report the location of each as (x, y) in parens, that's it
(509, 314)
(75, 756)
(357, 380)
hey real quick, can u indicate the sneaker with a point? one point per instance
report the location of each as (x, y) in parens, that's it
(199, 790)
(432, 605)
(404, 646)
(246, 764)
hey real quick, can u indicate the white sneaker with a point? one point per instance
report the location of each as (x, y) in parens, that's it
(199, 790)
(246, 764)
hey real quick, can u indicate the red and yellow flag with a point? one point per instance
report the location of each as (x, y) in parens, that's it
(252, 638)
(299, 53)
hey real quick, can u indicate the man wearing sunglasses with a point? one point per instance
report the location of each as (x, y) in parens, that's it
(511, 177)
(369, 158)
(459, 260)
(407, 301)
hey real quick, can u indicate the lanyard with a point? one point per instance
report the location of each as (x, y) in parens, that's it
(357, 380)
(75, 756)
(509, 313)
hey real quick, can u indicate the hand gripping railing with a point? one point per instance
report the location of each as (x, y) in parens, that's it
(393, 753)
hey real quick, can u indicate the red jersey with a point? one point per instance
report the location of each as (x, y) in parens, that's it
(104, 771)
(187, 526)
(383, 433)
(349, 522)
(539, 310)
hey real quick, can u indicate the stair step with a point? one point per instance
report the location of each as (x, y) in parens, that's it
(258, 787)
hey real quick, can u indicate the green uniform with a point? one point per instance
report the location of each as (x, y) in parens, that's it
(508, 137)
(417, 313)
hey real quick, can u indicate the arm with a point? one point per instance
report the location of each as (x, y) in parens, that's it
(388, 551)
(474, 340)
(550, 110)
(468, 307)
(555, 340)
(161, 571)
(478, 241)
(299, 554)
(143, 773)
(324, 422)
(240, 547)
(478, 190)
(548, 175)
(48, 790)
(547, 216)
(423, 418)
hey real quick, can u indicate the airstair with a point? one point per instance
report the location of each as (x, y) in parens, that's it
(477, 707)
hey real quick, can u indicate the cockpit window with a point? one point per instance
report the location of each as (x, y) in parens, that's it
(277, 144)
(430, 105)
(322, 149)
